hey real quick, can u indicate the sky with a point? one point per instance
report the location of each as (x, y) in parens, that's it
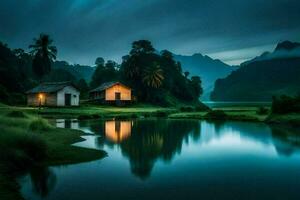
(230, 30)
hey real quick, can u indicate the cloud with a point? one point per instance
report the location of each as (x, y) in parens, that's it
(86, 29)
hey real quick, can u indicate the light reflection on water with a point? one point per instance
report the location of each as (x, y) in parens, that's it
(177, 159)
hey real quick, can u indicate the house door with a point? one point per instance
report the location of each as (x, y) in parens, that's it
(117, 96)
(67, 99)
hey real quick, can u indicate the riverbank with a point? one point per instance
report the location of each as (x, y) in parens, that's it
(21, 122)
(26, 140)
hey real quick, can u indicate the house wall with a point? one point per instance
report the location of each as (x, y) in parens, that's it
(125, 93)
(68, 90)
(44, 98)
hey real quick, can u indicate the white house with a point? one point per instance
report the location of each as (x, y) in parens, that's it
(53, 94)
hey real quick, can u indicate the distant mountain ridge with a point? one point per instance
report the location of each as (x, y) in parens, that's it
(261, 78)
(78, 71)
(207, 68)
(284, 49)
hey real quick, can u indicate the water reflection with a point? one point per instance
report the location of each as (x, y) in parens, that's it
(152, 140)
(117, 131)
(42, 179)
(143, 142)
(165, 158)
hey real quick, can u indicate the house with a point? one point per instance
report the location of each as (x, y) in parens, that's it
(53, 94)
(111, 92)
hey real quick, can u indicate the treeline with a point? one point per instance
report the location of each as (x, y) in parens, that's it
(21, 71)
(154, 77)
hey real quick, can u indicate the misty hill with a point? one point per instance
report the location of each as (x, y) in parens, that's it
(207, 68)
(261, 78)
(79, 71)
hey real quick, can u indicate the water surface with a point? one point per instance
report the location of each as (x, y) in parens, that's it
(175, 159)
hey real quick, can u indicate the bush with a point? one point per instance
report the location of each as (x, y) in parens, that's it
(17, 114)
(285, 104)
(262, 111)
(216, 114)
(40, 125)
(186, 109)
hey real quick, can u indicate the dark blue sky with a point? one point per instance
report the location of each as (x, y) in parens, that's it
(231, 30)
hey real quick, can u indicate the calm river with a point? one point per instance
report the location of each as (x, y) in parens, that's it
(175, 159)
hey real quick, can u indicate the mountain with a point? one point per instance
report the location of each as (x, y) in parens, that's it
(207, 68)
(78, 71)
(261, 78)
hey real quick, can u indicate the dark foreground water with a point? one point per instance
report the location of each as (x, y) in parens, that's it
(175, 159)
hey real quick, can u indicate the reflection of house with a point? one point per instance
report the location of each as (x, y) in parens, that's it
(117, 131)
(111, 92)
(53, 94)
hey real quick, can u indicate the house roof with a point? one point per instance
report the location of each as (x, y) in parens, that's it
(107, 85)
(50, 87)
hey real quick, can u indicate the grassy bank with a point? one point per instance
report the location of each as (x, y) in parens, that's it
(231, 113)
(27, 140)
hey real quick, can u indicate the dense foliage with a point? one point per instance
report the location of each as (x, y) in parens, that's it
(19, 72)
(286, 104)
(43, 53)
(157, 78)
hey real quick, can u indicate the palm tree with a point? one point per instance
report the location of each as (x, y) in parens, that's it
(44, 53)
(153, 76)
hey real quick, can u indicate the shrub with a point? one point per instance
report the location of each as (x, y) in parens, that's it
(216, 114)
(17, 114)
(40, 125)
(186, 109)
(262, 111)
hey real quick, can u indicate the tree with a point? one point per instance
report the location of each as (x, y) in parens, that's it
(196, 86)
(104, 72)
(142, 46)
(83, 88)
(186, 74)
(44, 53)
(153, 76)
(99, 61)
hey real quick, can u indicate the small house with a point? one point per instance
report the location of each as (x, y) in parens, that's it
(111, 92)
(53, 94)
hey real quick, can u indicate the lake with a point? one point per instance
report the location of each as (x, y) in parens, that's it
(175, 159)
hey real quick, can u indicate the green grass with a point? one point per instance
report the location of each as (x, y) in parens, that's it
(30, 140)
(238, 114)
